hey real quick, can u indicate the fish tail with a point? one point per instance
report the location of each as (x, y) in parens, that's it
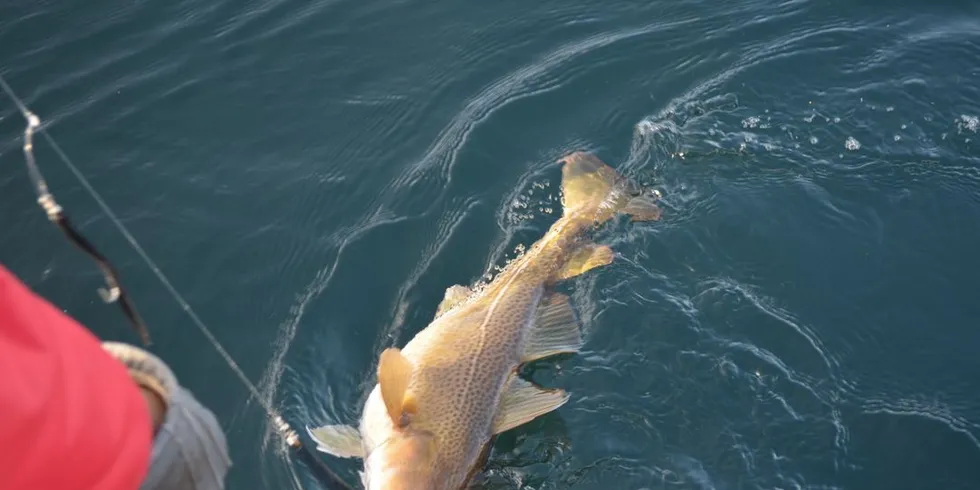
(592, 193)
(592, 189)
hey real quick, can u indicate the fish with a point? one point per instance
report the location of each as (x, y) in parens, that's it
(439, 401)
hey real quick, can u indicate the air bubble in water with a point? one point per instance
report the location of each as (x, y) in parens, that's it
(971, 123)
(852, 144)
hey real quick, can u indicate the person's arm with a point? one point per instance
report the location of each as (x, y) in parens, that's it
(80, 414)
(189, 447)
(72, 416)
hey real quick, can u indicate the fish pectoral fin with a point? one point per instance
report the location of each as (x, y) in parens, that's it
(394, 375)
(555, 329)
(524, 401)
(454, 295)
(342, 441)
(588, 257)
(642, 208)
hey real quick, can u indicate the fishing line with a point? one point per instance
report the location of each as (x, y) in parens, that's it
(115, 292)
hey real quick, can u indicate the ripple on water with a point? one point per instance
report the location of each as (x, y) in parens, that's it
(711, 360)
(894, 152)
(531, 80)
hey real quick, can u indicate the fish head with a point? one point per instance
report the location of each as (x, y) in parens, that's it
(406, 460)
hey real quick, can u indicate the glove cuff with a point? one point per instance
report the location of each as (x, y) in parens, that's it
(146, 369)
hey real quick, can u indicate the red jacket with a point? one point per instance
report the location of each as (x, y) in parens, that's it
(70, 416)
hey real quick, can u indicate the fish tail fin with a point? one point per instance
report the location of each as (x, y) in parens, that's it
(591, 188)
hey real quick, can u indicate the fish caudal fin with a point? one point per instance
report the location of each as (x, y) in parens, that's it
(590, 187)
(642, 208)
(555, 330)
(586, 182)
(394, 375)
(342, 441)
(523, 401)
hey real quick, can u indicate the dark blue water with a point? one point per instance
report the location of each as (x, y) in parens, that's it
(313, 175)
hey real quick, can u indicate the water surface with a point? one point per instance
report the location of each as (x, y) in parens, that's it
(313, 175)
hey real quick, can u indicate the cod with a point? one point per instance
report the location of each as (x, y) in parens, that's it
(439, 401)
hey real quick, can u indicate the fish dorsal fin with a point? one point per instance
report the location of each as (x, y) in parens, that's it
(394, 375)
(584, 259)
(523, 401)
(586, 181)
(454, 295)
(555, 329)
(342, 441)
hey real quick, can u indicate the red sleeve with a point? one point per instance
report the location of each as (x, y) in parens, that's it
(71, 416)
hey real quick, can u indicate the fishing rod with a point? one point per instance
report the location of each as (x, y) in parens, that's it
(54, 211)
(115, 292)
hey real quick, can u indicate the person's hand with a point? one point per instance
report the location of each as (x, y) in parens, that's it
(158, 409)
(155, 380)
(189, 447)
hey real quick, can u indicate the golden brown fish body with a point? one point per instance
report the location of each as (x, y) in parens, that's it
(441, 398)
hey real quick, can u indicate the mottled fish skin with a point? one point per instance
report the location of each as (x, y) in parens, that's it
(462, 363)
